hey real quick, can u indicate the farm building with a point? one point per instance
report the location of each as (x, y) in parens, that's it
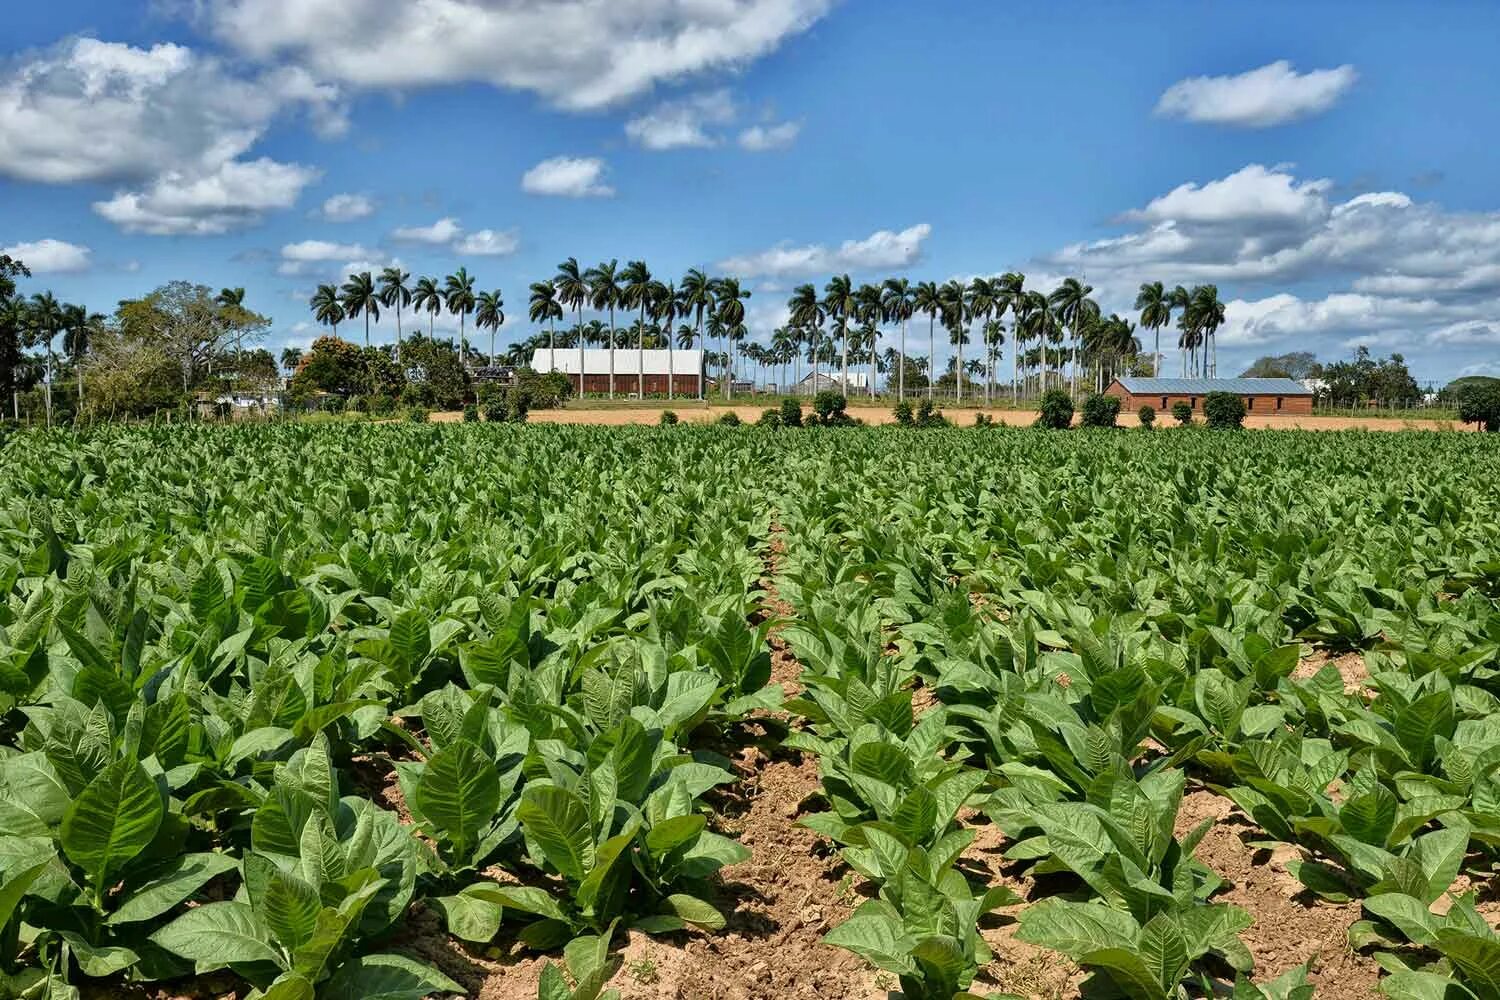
(830, 380)
(684, 368)
(1261, 395)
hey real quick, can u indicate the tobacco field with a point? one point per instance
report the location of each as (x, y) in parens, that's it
(391, 711)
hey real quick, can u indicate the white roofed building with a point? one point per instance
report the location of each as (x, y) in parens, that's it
(632, 367)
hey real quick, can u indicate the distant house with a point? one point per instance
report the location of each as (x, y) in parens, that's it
(826, 380)
(1261, 395)
(496, 374)
(683, 368)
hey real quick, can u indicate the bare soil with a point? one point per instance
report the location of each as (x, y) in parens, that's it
(645, 414)
(1351, 667)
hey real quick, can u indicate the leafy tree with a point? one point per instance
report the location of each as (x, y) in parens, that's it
(1364, 379)
(1147, 416)
(1480, 404)
(1224, 410)
(435, 369)
(1182, 412)
(331, 365)
(1100, 410)
(188, 325)
(1056, 411)
(1297, 365)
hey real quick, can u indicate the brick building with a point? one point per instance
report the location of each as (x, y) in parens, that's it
(683, 367)
(1261, 395)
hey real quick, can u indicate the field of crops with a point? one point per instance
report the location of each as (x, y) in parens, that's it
(370, 712)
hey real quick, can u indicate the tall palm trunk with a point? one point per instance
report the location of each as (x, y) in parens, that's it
(367, 329)
(931, 352)
(701, 359)
(611, 350)
(49, 381)
(901, 361)
(844, 349)
(813, 388)
(958, 365)
(872, 367)
(1015, 349)
(398, 331)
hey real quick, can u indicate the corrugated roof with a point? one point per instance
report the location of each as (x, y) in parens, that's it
(1203, 386)
(596, 361)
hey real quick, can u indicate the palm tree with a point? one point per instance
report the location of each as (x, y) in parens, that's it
(981, 300)
(1040, 324)
(231, 300)
(1010, 293)
(327, 308)
(359, 297)
(1074, 309)
(47, 319)
(1208, 316)
(896, 301)
(458, 296)
(1179, 299)
(291, 357)
(545, 307)
(395, 295)
(604, 293)
(951, 297)
(697, 297)
(926, 300)
(1156, 312)
(490, 315)
(869, 312)
(838, 300)
(994, 337)
(807, 313)
(573, 292)
(664, 311)
(635, 293)
(78, 328)
(427, 297)
(730, 310)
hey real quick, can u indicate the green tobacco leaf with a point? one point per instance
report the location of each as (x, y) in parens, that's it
(386, 977)
(459, 792)
(186, 876)
(472, 914)
(113, 819)
(557, 820)
(287, 905)
(696, 911)
(217, 934)
(1076, 928)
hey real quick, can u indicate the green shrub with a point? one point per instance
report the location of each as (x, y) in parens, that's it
(1056, 410)
(1100, 410)
(791, 413)
(903, 413)
(471, 413)
(770, 417)
(829, 405)
(1147, 416)
(668, 418)
(381, 405)
(358, 404)
(983, 420)
(495, 411)
(331, 404)
(417, 415)
(1224, 410)
(540, 392)
(730, 419)
(1480, 404)
(1182, 412)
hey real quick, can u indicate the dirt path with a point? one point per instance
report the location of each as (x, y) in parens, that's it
(650, 415)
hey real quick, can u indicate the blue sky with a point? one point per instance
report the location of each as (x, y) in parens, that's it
(1329, 165)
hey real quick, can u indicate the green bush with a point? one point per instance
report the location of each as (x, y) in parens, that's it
(791, 413)
(471, 413)
(381, 405)
(1100, 410)
(983, 420)
(1147, 416)
(541, 392)
(730, 419)
(1480, 404)
(417, 415)
(903, 413)
(829, 405)
(668, 418)
(770, 417)
(1056, 410)
(1224, 410)
(1182, 412)
(495, 411)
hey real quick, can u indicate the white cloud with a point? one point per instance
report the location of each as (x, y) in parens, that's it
(578, 54)
(761, 138)
(234, 195)
(166, 122)
(1253, 192)
(568, 177)
(880, 250)
(346, 208)
(49, 256)
(682, 123)
(1271, 95)
(488, 243)
(442, 231)
(321, 250)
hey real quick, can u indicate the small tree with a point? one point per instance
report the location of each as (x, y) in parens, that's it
(829, 405)
(1056, 410)
(1100, 410)
(902, 412)
(730, 419)
(769, 417)
(1147, 416)
(1182, 412)
(668, 418)
(1480, 404)
(1224, 410)
(791, 413)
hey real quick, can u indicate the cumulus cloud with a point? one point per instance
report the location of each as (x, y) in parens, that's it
(488, 243)
(442, 231)
(168, 123)
(682, 123)
(234, 195)
(1274, 94)
(346, 208)
(762, 138)
(578, 54)
(884, 249)
(49, 256)
(568, 177)
(1253, 193)
(314, 256)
